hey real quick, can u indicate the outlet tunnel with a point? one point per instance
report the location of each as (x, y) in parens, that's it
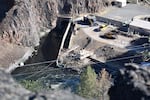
(5, 6)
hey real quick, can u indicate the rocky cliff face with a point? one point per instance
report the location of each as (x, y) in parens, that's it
(132, 83)
(74, 7)
(25, 20)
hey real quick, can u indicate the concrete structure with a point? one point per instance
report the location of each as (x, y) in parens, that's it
(140, 25)
(120, 3)
(120, 41)
(126, 13)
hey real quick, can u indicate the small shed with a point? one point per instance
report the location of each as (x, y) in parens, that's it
(120, 3)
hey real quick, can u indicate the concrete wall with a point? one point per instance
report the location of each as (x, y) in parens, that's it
(140, 25)
(139, 30)
(120, 3)
(109, 21)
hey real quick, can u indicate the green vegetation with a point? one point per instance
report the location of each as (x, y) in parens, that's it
(93, 86)
(146, 55)
(88, 82)
(33, 85)
(103, 85)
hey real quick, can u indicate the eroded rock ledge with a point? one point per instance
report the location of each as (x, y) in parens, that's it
(132, 83)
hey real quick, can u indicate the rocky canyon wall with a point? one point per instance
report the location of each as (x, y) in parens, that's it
(24, 21)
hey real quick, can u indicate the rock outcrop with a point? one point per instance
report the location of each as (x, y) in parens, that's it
(10, 90)
(25, 20)
(74, 7)
(132, 83)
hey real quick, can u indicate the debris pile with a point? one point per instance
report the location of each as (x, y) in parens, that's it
(106, 51)
(74, 59)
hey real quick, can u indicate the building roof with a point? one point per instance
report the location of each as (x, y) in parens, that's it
(121, 0)
(141, 24)
(126, 13)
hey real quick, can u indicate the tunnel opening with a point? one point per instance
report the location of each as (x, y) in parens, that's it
(5, 6)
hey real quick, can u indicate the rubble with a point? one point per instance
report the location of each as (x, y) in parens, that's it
(106, 51)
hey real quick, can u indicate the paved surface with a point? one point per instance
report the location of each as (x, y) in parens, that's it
(120, 42)
(125, 14)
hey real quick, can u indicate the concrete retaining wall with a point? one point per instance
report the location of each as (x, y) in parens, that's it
(109, 21)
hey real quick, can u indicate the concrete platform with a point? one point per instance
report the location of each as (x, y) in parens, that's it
(120, 41)
(126, 13)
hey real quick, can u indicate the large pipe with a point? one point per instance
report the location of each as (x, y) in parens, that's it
(63, 41)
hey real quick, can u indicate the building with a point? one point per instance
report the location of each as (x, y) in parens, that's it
(140, 25)
(120, 3)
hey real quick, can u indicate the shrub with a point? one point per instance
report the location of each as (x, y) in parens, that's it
(93, 86)
(103, 85)
(33, 85)
(87, 84)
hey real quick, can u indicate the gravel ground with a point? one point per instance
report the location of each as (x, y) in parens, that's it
(11, 54)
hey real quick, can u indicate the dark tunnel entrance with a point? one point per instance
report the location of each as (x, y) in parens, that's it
(5, 6)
